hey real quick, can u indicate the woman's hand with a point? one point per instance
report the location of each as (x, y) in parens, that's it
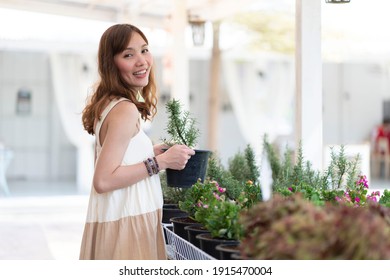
(160, 148)
(176, 157)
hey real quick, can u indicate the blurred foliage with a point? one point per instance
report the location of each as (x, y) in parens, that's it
(270, 31)
(293, 228)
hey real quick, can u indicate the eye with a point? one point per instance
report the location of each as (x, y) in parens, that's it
(126, 55)
(145, 50)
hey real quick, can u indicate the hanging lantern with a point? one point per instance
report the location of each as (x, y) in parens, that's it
(337, 1)
(198, 30)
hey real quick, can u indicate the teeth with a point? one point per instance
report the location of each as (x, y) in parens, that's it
(140, 72)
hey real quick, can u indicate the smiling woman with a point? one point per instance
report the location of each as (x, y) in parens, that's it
(124, 219)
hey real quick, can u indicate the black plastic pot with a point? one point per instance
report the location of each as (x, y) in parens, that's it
(227, 250)
(179, 223)
(209, 243)
(193, 230)
(195, 169)
(170, 211)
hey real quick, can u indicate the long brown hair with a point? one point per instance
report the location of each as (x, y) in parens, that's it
(111, 85)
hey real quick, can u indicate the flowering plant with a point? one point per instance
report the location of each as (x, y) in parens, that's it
(222, 219)
(208, 202)
(357, 196)
(200, 196)
(250, 195)
(340, 183)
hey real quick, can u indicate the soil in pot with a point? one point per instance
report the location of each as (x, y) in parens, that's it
(192, 231)
(179, 223)
(208, 244)
(226, 251)
(170, 211)
(195, 169)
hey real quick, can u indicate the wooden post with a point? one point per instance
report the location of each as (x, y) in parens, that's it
(214, 95)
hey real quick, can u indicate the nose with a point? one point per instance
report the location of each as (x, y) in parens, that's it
(140, 60)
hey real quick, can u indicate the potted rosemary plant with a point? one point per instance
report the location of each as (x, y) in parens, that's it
(182, 129)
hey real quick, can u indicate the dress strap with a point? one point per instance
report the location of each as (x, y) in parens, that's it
(104, 115)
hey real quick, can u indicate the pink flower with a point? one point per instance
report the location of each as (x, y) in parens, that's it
(217, 196)
(205, 206)
(362, 181)
(290, 189)
(357, 199)
(221, 190)
(215, 183)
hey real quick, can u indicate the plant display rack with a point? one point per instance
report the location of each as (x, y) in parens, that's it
(180, 249)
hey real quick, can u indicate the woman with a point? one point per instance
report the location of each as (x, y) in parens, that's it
(125, 207)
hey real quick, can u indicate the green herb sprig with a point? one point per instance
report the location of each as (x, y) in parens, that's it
(181, 127)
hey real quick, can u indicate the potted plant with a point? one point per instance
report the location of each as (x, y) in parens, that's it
(181, 128)
(306, 217)
(241, 168)
(191, 203)
(216, 202)
(319, 187)
(293, 227)
(221, 217)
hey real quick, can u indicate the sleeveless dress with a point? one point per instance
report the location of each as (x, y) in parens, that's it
(126, 223)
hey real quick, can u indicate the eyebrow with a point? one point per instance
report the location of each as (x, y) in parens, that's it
(131, 49)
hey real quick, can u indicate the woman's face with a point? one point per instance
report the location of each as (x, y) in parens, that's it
(135, 62)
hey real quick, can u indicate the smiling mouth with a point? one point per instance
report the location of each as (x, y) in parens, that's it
(142, 72)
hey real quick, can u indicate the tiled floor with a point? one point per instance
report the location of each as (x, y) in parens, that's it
(45, 220)
(41, 221)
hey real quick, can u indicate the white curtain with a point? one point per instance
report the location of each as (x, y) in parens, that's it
(261, 92)
(72, 76)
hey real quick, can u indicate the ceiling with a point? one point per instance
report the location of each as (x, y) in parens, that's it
(34, 25)
(148, 13)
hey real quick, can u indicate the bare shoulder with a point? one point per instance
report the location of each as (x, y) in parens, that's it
(124, 111)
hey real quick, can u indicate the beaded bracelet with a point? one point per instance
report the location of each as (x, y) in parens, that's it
(148, 167)
(156, 164)
(152, 166)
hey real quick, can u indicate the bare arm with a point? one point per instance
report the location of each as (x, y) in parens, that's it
(121, 126)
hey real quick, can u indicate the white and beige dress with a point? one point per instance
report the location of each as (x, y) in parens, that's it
(125, 223)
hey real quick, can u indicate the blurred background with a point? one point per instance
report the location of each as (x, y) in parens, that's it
(233, 65)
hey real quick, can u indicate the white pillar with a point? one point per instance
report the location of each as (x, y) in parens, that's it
(180, 65)
(308, 122)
